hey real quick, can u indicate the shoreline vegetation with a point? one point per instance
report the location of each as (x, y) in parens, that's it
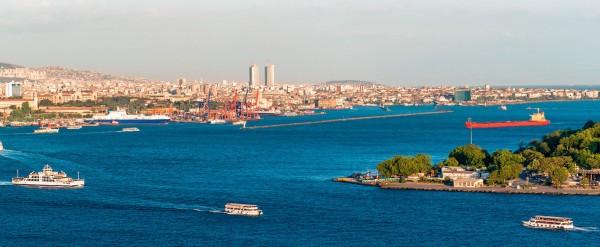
(564, 162)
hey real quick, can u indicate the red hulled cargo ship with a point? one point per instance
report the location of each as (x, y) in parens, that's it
(537, 119)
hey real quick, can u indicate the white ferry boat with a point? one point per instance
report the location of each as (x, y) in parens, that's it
(1, 146)
(549, 222)
(242, 209)
(217, 121)
(48, 178)
(45, 130)
(74, 127)
(132, 129)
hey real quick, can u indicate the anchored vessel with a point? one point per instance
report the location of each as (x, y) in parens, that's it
(121, 117)
(48, 178)
(132, 129)
(45, 130)
(242, 209)
(549, 222)
(537, 119)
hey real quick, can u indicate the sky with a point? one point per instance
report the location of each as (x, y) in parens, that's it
(394, 42)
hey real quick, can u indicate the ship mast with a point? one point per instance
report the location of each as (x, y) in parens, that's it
(471, 130)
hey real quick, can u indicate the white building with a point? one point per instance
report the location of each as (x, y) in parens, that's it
(13, 89)
(468, 182)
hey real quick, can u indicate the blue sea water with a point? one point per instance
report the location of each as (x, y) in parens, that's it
(166, 185)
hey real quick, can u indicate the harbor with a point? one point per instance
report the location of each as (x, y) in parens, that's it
(169, 177)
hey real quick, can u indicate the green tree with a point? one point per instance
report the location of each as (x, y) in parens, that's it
(45, 102)
(16, 115)
(470, 155)
(588, 124)
(451, 161)
(559, 175)
(584, 180)
(405, 165)
(25, 108)
(493, 178)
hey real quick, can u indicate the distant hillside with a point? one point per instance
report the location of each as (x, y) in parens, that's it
(9, 66)
(353, 82)
(90, 75)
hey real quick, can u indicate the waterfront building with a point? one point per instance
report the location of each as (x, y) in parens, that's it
(13, 89)
(467, 182)
(254, 75)
(461, 95)
(270, 75)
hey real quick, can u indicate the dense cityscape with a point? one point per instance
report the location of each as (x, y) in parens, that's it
(52, 87)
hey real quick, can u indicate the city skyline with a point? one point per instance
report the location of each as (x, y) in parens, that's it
(389, 42)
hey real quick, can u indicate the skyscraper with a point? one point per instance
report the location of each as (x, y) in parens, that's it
(254, 76)
(270, 75)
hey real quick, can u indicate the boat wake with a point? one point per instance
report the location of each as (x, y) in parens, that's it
(5, 183)
(16, 134)
(34, 160)
(215, 211)
(586, 229)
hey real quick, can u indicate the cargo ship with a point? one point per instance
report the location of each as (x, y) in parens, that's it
(121, 117)
(537, 119)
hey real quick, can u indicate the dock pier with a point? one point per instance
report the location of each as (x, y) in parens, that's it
(345, 119)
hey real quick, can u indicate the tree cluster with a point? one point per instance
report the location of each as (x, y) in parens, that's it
(557, 155)
(402, 166)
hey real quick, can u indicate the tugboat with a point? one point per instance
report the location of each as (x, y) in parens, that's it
(537, 119)
(549, 222)
(48, 178)
(242, 209)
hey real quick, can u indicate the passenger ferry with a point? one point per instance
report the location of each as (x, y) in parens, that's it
(45, 130)
(48, 178)
(242, 209)
(549, 222)
(132, 129)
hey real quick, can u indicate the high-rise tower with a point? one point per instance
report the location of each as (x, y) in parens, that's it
(270, 75)
(254, 76)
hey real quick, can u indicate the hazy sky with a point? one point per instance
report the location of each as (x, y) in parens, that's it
(396, 42)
